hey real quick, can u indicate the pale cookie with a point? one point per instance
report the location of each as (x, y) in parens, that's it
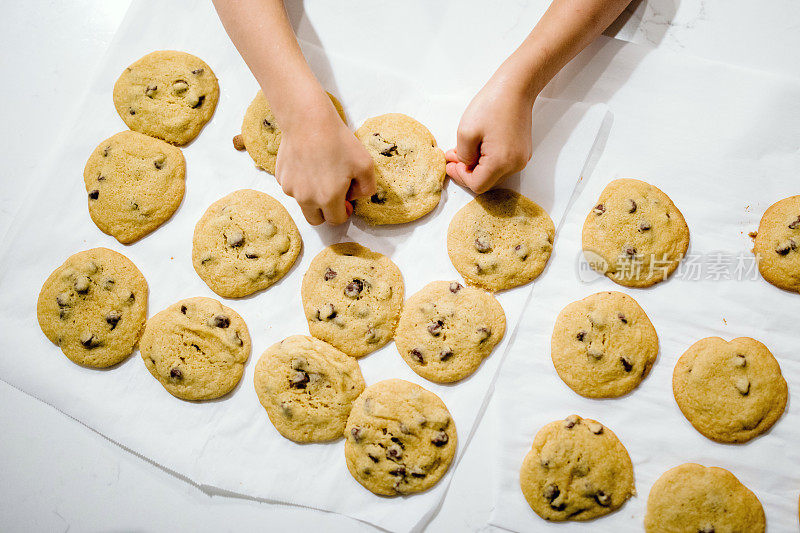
(777, 242)
(409, 170)
(196, 348)
(692, 498)
(447, 330)
(134, 183)
(167, 94)
(500, 240)
(244, 243)
(729, 391)
(604, 345)
(261, 136)
(94, 307)
(307, 387)
(634, 234)
(400, 438)
(577, 469)
(352, 298)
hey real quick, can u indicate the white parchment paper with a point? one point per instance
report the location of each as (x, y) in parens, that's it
(723, 143)
(229, 444)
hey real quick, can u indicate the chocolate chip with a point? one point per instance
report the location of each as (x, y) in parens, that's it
(105, 152)
(237, 340)
(113, 318)
(418, 472)
(176, 373)
(159, 162)
(150, 91)
(131, 111)
(708, 528)
(251, 255)
(522, 251)
(378, 198)
(602, 498)
(631, 206)
(484, 333)
(238, 143)
(581, 335)
(455, 287)
(435, 328)
(81, 284)
(326, 312)
(599, 209)
(622, 318)
(374, 458)
(483, 245)
(200, 101)
(329, 274)
(417, 356)
(235, 238)
(94, 194)
(644, 226)
(183, 309)
(595, 427)
(626, 364)
(743, 385)
(740, 360)
(354, 288)
(298, 379)
(197, 71)
(400, 471)
(440, 439)
(630, 252)
(390, 151)
(551, 492)
(180, 87)
(795, 224)
(394, 452)
(445, 354)
(357, 433)
(786, 247)
(63, 299)
(570, 421)
(219, 321)
(88, 340)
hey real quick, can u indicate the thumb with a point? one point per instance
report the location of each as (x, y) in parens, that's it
(484, 176)
(468, 147)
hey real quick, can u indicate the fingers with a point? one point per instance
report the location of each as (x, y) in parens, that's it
(484, 176)
(313, 214)
(363, 180)
(456, 171)
(335, 212)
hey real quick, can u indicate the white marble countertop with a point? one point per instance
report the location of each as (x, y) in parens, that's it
(59, 475)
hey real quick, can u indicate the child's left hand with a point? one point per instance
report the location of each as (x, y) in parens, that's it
(494, 135)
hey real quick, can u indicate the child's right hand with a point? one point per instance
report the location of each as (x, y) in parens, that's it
(322, 165)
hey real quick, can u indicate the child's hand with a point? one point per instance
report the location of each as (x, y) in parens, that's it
(322, 165)
(494, 136)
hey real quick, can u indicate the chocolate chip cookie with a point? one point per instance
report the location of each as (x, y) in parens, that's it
(729, 391)
(94, 307)
(777, 242)
(196, 348)
(577, 469)
(352, 298)
(134, 184)
(604, 345)
(261, 135)
(500, 240)
(244, 243)
(167, 94)
(409, 170)
(447, 330)
(307, 387)
(400, 438)
(634, 234)
(695, 498)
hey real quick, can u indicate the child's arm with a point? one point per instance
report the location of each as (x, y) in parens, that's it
(320, 161)
(494, 136)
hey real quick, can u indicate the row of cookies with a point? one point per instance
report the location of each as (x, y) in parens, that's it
(577, 469)
(135, 180)
(636, 236)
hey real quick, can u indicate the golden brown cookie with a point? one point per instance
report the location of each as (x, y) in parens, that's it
(729, 391)
(634, 234)
(777, 244)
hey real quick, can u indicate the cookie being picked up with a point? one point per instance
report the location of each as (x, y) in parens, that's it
(446, 330)
(409, 170)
